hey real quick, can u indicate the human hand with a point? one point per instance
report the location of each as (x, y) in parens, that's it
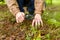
(20, 16)
(37, 20)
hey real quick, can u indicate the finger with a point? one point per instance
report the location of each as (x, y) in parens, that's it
(20, 19)
(41, 23)
(36, 23)
(17, 19)
(33, 23)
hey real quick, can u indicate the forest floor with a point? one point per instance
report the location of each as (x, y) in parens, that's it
(10, 30)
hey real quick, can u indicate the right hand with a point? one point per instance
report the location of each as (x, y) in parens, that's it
(20, 16)
(37, 20)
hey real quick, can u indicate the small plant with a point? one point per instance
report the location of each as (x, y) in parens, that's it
(35, 34)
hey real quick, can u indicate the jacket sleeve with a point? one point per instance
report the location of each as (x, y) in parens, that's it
(13, 6)
(38, 6)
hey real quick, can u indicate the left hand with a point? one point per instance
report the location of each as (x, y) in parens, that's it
(20, 16)
(37, 20)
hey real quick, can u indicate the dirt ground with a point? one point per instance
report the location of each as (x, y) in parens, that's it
(10, 30)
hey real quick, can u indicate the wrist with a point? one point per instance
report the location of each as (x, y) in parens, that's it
(38, 14)
(19, 13)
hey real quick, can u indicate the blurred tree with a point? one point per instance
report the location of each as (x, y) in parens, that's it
(1, 0)
(49, 1)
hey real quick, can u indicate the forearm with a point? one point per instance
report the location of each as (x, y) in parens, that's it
(13, 6)
(38, 6)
